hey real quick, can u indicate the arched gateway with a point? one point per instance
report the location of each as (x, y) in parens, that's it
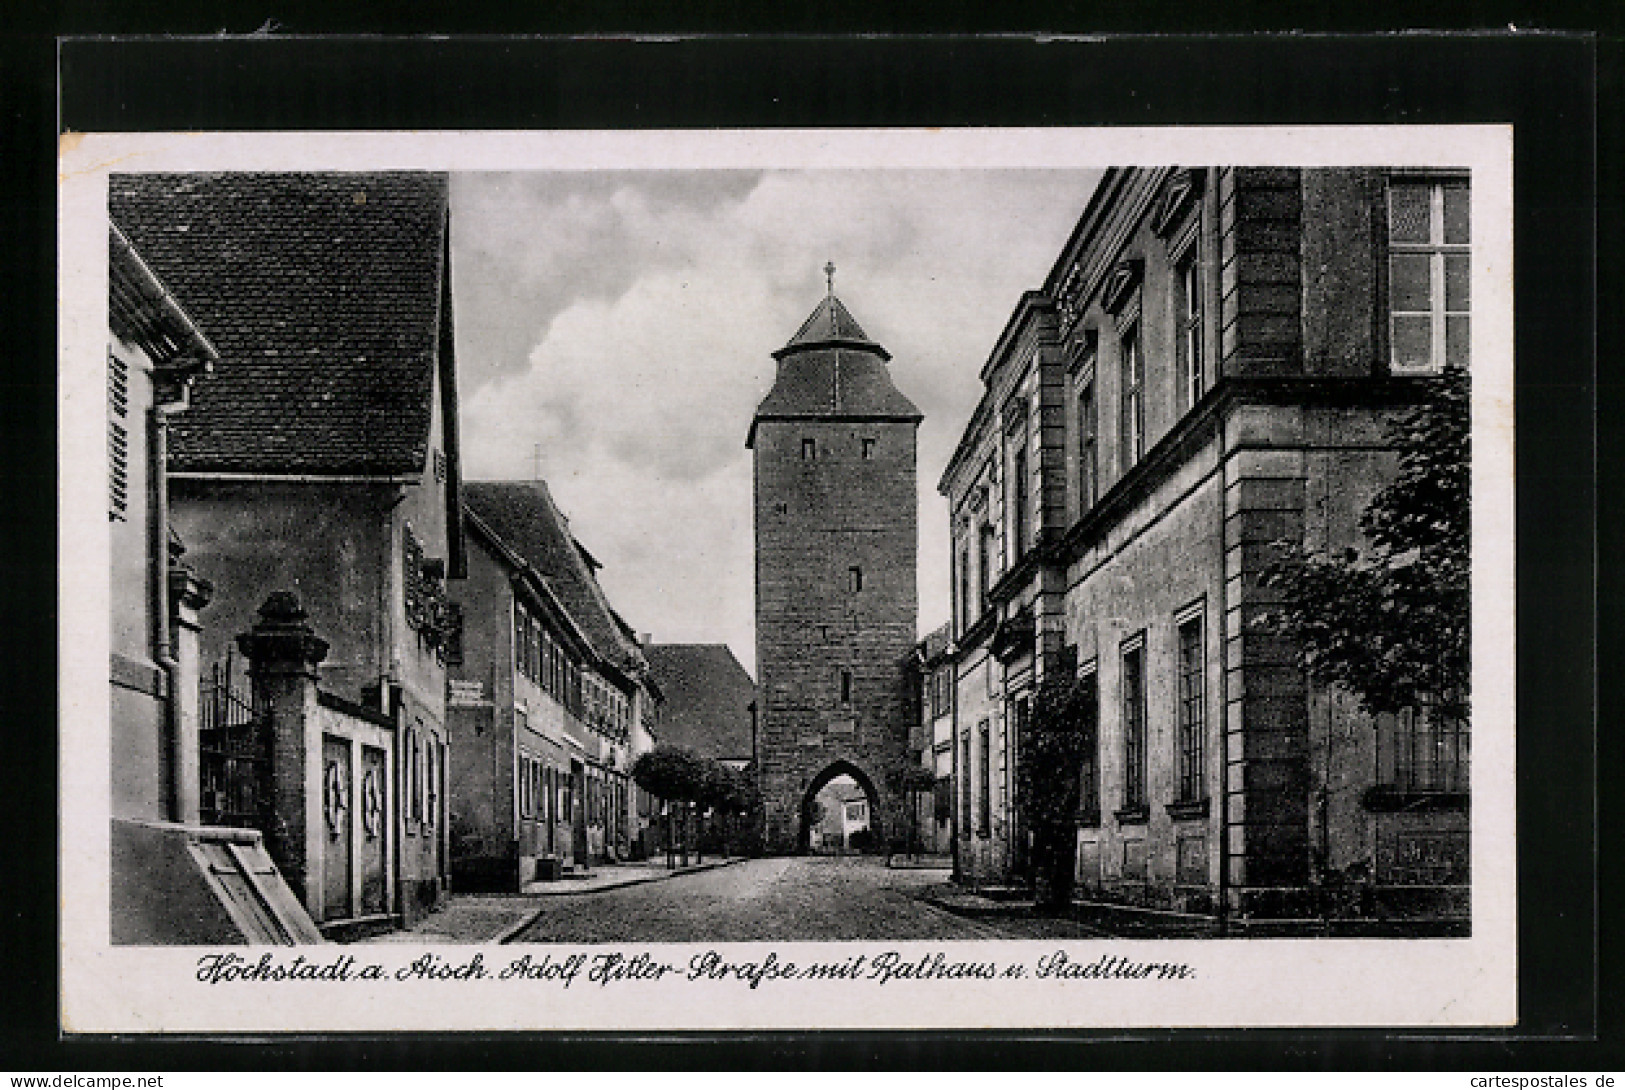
(835, 771)
(833, 446)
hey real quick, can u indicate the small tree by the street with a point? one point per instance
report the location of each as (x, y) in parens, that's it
(1060, 733)
(675, 775)
(1391, 624)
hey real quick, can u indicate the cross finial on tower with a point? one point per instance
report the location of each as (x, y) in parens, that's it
(829, 276)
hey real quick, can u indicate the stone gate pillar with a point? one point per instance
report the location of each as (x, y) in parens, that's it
(283, 653)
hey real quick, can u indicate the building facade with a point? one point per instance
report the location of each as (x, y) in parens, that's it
(320, 459)
(172, 879)
(836, 520)
(1207, 373)
(549, 702)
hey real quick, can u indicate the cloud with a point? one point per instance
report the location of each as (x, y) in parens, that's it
(622, 325)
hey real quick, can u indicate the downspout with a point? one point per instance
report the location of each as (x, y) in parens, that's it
(163, 642)
(1224, 686)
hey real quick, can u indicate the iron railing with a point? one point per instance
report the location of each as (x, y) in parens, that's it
(234, 750)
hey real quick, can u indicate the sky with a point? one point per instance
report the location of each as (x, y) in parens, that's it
(615, 330)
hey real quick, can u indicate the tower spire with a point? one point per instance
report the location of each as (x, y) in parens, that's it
(829, 276)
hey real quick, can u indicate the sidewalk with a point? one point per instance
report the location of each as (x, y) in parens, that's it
(922, 861)
(496, 917)
(1121, 920)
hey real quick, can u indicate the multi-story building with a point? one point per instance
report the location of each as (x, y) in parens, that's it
(320, 458)
(933, 742)
(549, 702)
(1207, 371)
(836, 522)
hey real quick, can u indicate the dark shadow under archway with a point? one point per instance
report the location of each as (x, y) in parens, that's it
(833, 771)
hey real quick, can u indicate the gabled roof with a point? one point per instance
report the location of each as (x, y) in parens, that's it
(323, 294)
(708, 698)
(831, 370)
(524, 516)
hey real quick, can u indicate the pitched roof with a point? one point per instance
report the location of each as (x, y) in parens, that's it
(708, 698)
(524, 516)
(831, 370)
(322, 293)
(934, 644)
(830, 323)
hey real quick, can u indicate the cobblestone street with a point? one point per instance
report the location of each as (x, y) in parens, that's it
(815, 899)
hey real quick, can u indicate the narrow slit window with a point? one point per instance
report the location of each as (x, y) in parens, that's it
(854, 578)
(809, 450)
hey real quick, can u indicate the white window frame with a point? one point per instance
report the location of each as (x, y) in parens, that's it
(1436, 249)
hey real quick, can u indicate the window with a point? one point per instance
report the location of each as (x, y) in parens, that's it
(809, 450)
(1133, 694)
(984, 779)
(846, 686)
(984, 565)
(868, 449)
(1428, 274)
(118, 438)
(1188, 331)
(1191, 711)
(431, 781)
(854, 579)
(964, 592)
(1423, 750)
(1132, 430)
(1088, 448)
(964, 785)
(1089, 788)
(1018, 521)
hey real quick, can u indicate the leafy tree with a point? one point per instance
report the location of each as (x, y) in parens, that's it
(1391, 623)
(676, 775)
(1060, 733)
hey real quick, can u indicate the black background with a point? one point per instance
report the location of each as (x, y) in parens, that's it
(1549, 86)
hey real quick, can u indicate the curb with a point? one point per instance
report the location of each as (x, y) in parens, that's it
(508, 934)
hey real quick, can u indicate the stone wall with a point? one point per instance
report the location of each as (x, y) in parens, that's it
(818, 519)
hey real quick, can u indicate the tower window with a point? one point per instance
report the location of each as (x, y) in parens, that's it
(868, 449)
(854, 578)
(846, 686)
(809, 450)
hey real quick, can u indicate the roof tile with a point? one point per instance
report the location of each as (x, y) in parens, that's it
(321, 292)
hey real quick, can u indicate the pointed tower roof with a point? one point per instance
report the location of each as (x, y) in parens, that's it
(831, 325)
(831, 370)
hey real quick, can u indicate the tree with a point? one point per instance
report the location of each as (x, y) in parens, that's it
(1391, 624)
(675, 775)
(1060, 733)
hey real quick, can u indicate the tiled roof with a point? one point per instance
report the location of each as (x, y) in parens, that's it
(708, 698)
(830, 369)
(830, 322)
(524, 516)
(322, 293)
(934, 644)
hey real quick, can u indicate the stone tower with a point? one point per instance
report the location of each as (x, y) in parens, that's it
(836, 547)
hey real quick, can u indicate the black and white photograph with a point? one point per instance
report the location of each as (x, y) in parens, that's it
(938, 569)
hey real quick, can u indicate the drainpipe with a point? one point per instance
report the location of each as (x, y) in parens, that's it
(163, 645)
(1224, 685)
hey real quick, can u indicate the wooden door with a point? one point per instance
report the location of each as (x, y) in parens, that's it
(372, 806)
(338, 812)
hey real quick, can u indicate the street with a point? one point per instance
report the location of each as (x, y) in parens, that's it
(809, 898)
